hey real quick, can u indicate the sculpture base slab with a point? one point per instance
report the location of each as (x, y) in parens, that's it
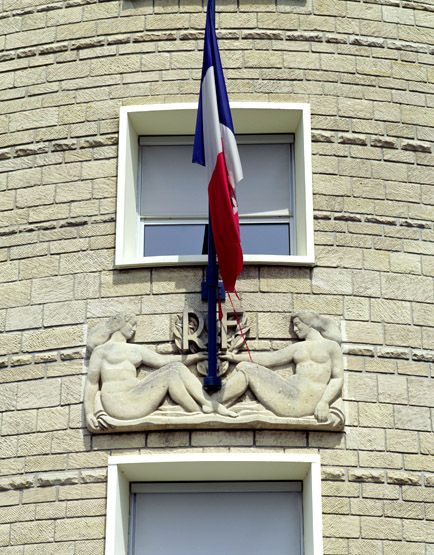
(171, 418)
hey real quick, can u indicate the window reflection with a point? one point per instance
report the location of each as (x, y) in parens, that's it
(188, 239)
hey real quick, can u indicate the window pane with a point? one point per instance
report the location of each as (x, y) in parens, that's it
(169, 240)
(174, 187)
(188, 239)
(265, 189)
(171, 185)
(227, 523)
(265, 238)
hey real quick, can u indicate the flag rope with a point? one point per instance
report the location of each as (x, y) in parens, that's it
(239, 325)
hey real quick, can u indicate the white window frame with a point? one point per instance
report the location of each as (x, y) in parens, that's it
(206, 467)
(250, 118)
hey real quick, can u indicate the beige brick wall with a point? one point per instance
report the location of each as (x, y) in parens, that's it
(366, 68)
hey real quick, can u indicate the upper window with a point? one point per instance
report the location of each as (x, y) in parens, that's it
(162, 196)
(173, 203)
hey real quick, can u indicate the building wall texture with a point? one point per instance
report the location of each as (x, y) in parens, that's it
(366, 69)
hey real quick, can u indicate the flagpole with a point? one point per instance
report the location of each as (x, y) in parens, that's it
(212, 382)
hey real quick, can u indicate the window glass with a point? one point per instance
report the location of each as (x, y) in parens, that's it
(173, 194)
(187, 239)
(218, 519)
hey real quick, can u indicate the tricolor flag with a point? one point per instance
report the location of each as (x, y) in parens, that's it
(215, 147)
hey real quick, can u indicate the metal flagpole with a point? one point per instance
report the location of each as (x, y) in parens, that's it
(212, 382)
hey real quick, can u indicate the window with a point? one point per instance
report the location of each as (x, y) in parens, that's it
(172, 480)
(173, 203)
(162, 196)
(229, 518)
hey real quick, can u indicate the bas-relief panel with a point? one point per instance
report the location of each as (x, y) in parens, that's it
(132, 387)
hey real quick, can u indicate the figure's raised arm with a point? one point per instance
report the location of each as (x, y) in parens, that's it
(273, 358)
(155, 360)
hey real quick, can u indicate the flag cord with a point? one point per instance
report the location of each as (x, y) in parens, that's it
(239, 325)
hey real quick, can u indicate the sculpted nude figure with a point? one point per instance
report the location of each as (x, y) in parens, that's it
(316, 383)
(113, 371)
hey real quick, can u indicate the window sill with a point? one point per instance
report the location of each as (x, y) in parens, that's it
(249, 259)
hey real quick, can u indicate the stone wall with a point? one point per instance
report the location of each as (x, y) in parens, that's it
(366, 69)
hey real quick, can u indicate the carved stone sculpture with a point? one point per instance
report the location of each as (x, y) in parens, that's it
(297, 387)
(113, 390)
(318, 376)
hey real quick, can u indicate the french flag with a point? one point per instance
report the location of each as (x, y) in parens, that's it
(215, 147)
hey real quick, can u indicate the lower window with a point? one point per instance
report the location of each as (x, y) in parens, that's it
(230, 518)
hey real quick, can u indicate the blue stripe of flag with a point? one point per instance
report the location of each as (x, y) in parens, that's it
(211, 57)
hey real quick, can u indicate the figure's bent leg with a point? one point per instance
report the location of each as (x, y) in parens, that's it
(234, 387)
(194, 388)
(276, 393)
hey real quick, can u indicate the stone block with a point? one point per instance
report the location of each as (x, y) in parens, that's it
(366, 507)
(368, 439)
(412, 288)
(340, 526)
(331, 505)
(285, 280)
(71, 390)
(55, 418)
(69, 441)
(405, 263)
(39, 393)
(34, 444)
(222, 439)
(125, 283)
(86, 286)
(403, 478)
(52, 289)
(376, 415)
(335, 546)
(119, 441)
(392, 389)
(168, 439)
(380, 491)
(403, 336)
(23, 318)
(340, 489)
(84, 509)
(280, 439)
(381, 528)
(332, 281)
(153, 328)
(62, 313)
(32, 532)
(82, 491)
(15, 294)
(383, 310)
(39, 267)
(54, 338)
(366, 283)
(45, 462)
(10, 343)
(85, 262)
(418, 530)
(364, 332)
(403, 510)
(177, 280)
(22, 422)
(360, 387)
(365, 475)
(412, 418)
(426, 443)
(79, 528)
(421, 392)
(402, 441)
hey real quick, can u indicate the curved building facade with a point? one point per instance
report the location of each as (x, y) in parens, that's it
(88, 88)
